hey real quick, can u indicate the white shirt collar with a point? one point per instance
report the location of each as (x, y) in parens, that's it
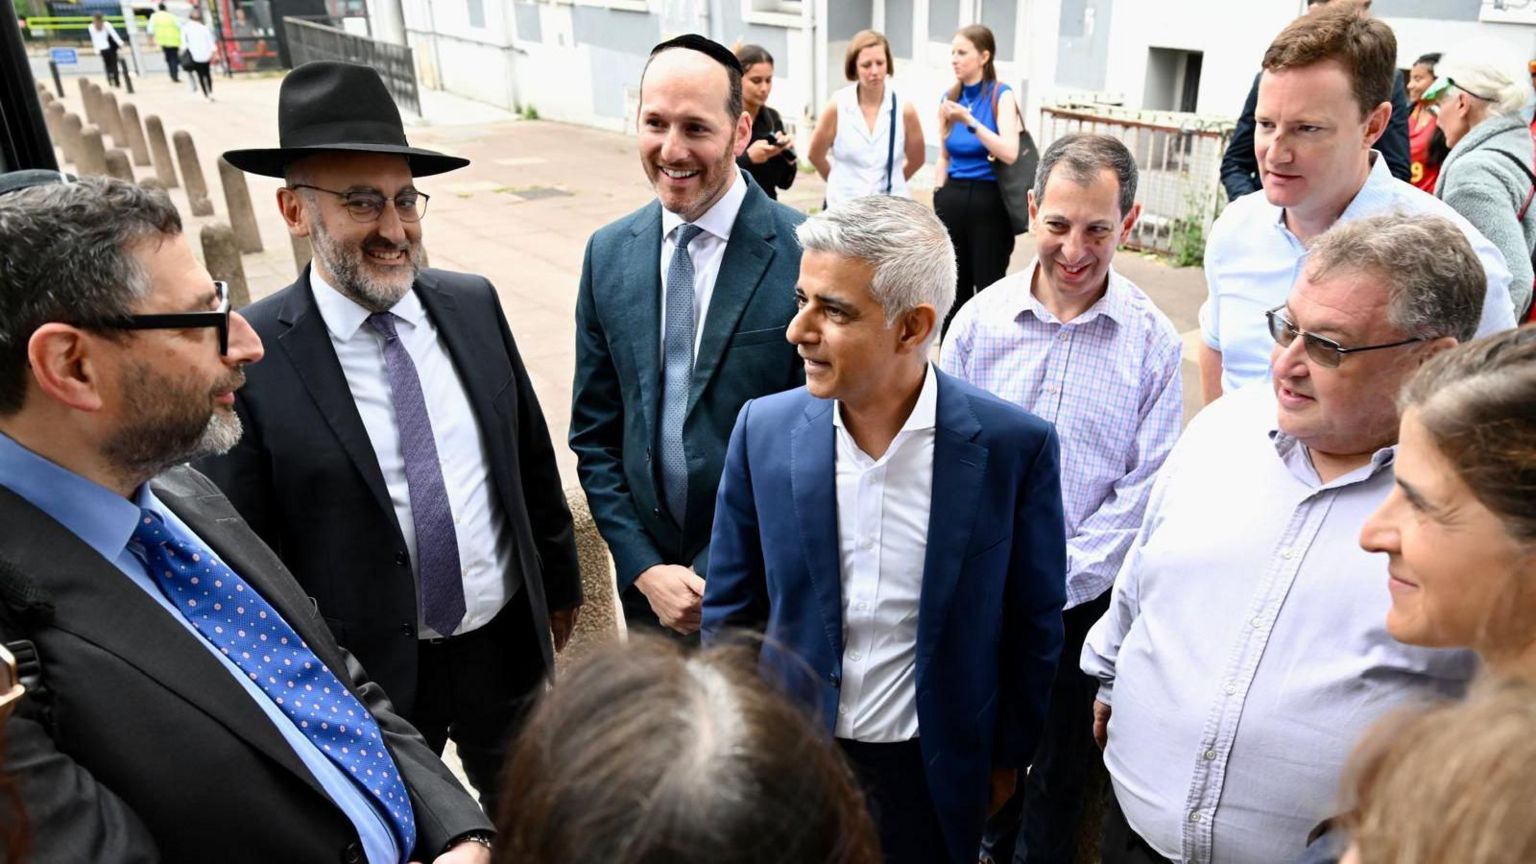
(924, 414)
(343, 316)
(719, 218)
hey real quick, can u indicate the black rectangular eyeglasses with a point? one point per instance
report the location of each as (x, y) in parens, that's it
(217, 318)
(1322, 350)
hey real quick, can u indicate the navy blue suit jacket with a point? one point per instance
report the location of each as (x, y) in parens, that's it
(989, 625)
(616, 399)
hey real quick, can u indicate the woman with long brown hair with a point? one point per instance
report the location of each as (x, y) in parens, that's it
(979, 122)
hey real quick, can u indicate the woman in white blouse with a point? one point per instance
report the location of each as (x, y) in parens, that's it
(868, 140)
(198, 42)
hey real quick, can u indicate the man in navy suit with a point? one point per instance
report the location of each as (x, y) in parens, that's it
(899, 533)
(679, 320)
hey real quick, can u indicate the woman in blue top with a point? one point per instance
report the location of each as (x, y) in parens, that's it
(979, 122)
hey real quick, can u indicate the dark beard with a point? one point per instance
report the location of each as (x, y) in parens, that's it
(344, 263)
(171, 427)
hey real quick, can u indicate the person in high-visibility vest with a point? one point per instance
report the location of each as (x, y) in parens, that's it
(166, 29)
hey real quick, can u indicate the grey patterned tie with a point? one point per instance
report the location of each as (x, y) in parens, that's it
(677, 373)
(437, 545)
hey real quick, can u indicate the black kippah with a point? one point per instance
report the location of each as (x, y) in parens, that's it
(16, 181)
(694, 42)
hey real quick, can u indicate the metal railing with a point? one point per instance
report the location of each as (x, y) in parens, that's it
(396, 64)
(1178, 157)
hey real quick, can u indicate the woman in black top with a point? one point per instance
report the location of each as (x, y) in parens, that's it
(770, 155)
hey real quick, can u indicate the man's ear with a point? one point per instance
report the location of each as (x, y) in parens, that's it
(63, 367)
(1376, 122)
(916, 326)
(291, 205)
(743, 134)
(1434, 347)
(1130, 222)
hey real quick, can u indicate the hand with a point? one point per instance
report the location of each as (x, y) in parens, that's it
(762, 150)
(1004, 782)
(1100, 723)
(676, 594)
(561, 623)
(464, 853)
(784, 142)
(954, 112)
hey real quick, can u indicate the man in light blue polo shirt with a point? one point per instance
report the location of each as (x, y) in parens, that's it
(1315, 123)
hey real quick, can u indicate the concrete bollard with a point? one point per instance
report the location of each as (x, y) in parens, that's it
(118, 166)
(237, 201)
(192, 173)
(69, 138)
(53, 112)
(93, 153)
(302, 252)
(165, 169)
(93, 106)
(112, 120)
(152, 184)
(87, 102)
(222, 258)
(136, 142)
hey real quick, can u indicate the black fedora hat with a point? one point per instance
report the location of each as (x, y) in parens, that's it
(328, 106)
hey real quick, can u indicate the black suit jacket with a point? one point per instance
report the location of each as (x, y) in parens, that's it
(616, 404)
(1240, 167)
(155, 752)
(305, 476)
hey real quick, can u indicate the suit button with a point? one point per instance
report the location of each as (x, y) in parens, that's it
(656, 511)
(352, 854)
(835, 679)
(402, 559)
(407, 629)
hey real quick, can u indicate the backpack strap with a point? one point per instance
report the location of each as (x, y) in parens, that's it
(890, 146)
(1527, 171)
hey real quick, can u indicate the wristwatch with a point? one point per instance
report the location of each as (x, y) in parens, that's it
(480, 838)
(971, 127)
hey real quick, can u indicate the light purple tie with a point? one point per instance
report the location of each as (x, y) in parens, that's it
(437, 546)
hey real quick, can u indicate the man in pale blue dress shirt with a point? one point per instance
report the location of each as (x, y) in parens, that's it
(1244, 648)
(1313, 143)
(154, 734)
(1072, 341)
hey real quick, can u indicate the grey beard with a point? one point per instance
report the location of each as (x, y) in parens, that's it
(142, 453)
(345, 266)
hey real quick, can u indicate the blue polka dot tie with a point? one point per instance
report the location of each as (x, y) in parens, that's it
(246, 629)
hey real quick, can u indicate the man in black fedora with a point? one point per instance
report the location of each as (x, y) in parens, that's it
(396, 458)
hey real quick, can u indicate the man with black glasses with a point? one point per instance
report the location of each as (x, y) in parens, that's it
(1243, 651)
(397, 459)
(185, 701)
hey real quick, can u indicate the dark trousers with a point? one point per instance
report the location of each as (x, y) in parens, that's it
(204, 76)
(172, 61)
(1122, 845)
(1046, 816)
(109, 60)
(896, 790)
(475, 688)
(978, 225)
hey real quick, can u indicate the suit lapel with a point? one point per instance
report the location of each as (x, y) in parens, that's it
(640, 308)
(747, 257)
(959, 467)
(98, 604)
(813, 481)
(307, 345)
(466, 338)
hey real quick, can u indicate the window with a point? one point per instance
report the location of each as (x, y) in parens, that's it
(477, 13)
(783, 13)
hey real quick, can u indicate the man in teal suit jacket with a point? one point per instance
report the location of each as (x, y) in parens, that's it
(896, 534)
(741, 263)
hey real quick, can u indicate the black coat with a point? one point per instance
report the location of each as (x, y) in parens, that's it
(154, 751)
(778, 172)
(1240, 168)
(305, 476)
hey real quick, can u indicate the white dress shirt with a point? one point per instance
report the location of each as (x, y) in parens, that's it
(707, 251)
(485, 545)
(1245, 648)
(882, 538)
(1252, 260)
(104, 37)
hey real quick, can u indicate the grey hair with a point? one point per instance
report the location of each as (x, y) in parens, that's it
(1435, 281)
(1482, 69)
(66, 254)
(1082, 157)
(904, 241)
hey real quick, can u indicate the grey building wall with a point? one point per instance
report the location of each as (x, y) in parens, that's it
(1001, 17)
(847, 17)
(1443, 10)
(732, 27)
(527, 17)
(898, 26)
(619, 42)
(1082, 54)
(943, 19)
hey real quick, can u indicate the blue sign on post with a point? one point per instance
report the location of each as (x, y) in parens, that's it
(64, 56)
